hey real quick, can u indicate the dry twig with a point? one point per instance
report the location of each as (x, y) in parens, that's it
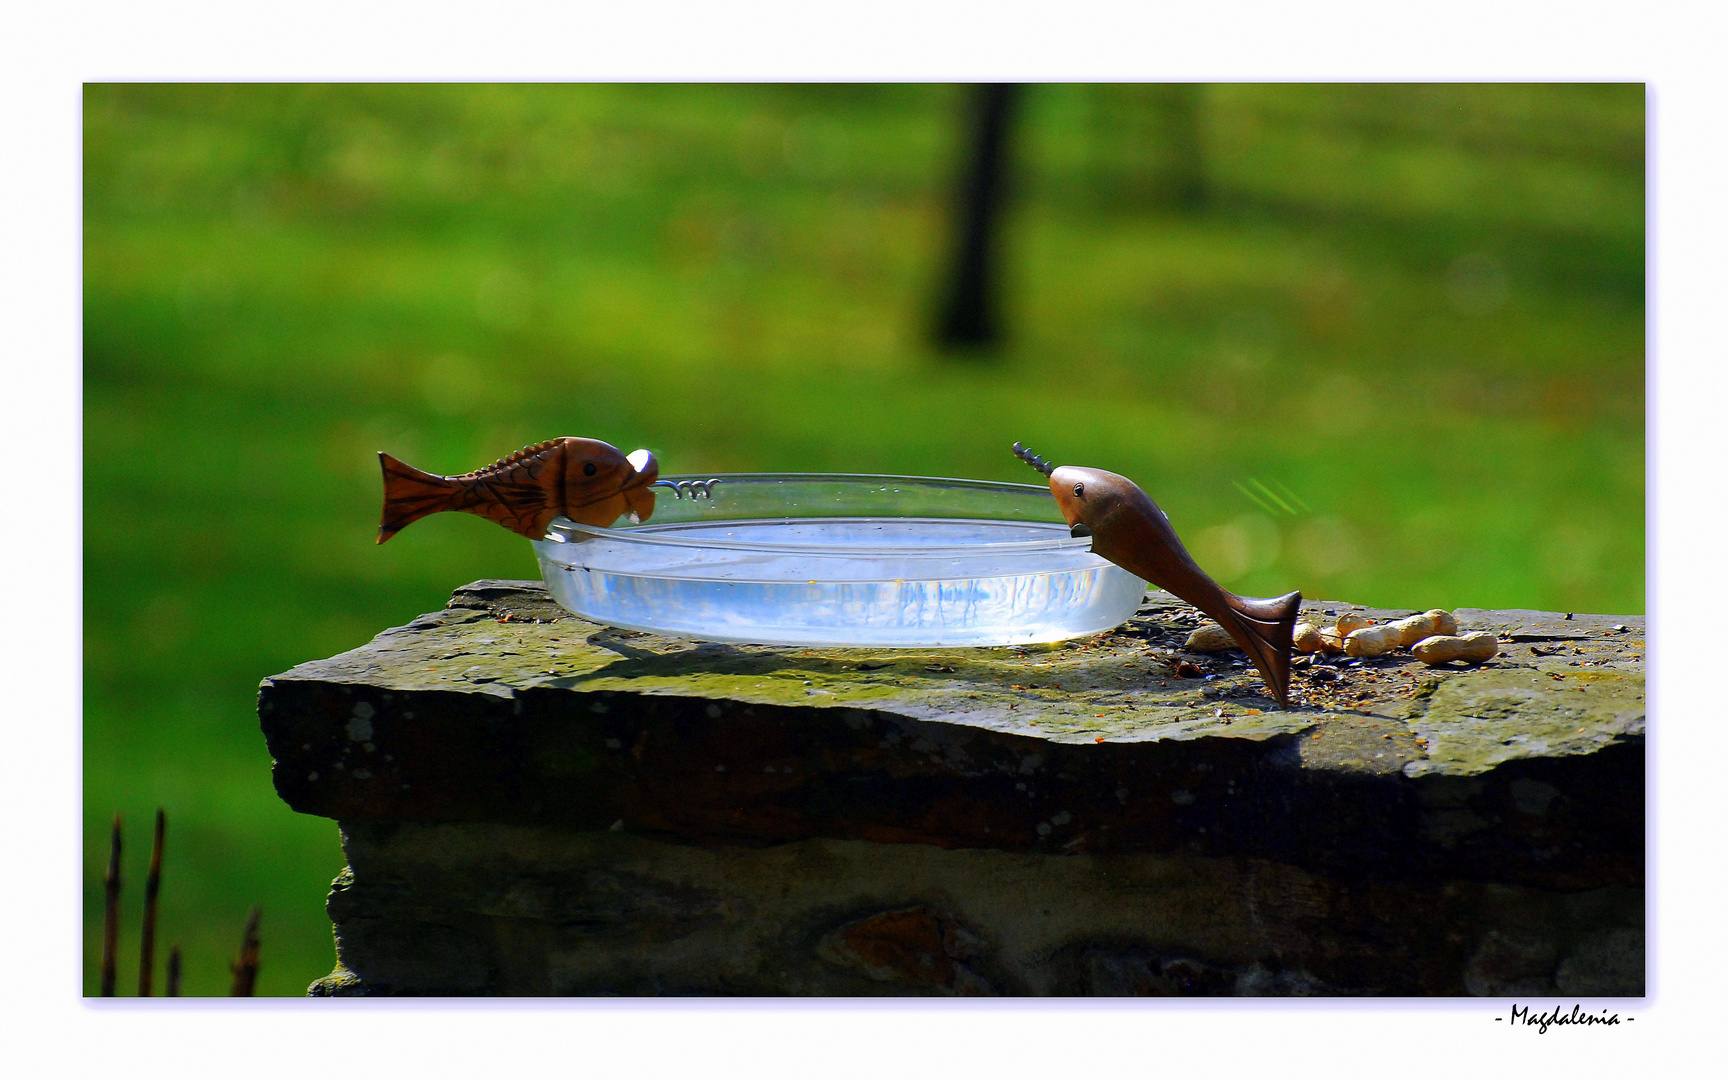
(111, 914)
(246, 968)
(147, 946)
(173, 987)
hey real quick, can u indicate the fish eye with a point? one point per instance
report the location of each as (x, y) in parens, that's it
(1080, 490)
(590, 469)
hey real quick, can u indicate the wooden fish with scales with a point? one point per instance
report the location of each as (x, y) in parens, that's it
(585, 480)
(1127, 528)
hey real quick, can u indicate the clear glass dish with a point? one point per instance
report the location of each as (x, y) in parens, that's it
(834, 559)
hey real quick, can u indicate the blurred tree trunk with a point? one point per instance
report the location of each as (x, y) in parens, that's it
(1146, 143)
(970, 316)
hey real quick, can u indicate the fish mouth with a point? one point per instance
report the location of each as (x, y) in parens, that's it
(647, 468)
(637, 490)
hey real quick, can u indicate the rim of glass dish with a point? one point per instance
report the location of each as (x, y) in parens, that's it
(637, 535)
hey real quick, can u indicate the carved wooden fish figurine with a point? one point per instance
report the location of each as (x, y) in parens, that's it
(1127, 528)
(585, 480)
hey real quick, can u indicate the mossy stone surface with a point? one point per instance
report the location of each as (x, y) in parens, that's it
(502, 637)
(1471, 724)
(504, 708)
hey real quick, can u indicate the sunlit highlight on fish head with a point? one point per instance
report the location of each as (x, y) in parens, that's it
(637, 492)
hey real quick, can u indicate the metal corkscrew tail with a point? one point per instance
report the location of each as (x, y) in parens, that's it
(1024, 453)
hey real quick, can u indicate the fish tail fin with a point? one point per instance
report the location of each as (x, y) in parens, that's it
(410, 495)
(1265, 629)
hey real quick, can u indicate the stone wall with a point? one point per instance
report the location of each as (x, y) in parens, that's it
(532, 804)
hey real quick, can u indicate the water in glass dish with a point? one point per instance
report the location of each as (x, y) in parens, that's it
(871, 582)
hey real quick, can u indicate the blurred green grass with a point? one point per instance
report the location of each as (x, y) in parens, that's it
(1414, 312)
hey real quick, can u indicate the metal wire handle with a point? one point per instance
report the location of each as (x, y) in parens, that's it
(695, 489)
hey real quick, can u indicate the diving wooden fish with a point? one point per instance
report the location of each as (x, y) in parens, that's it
(1127, 528)
(585, 480)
